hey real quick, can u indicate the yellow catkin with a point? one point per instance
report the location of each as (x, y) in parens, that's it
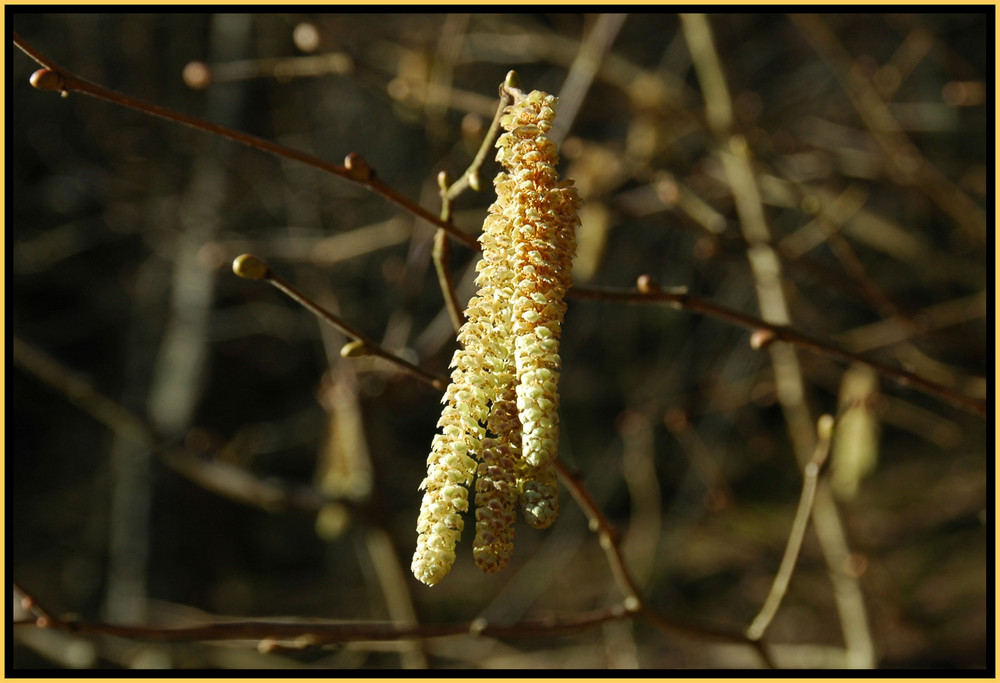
(478, 365)
(544, 216)
(496, 487)
(539, 493)
(500, 419)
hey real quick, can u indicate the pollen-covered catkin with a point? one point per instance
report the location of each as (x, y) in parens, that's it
(452, 463)
(496, 486)
(539, 493)
(500, 419)
(544, 216)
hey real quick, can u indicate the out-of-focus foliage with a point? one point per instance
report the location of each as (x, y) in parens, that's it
(120, 229)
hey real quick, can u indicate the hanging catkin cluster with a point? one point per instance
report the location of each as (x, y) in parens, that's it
(500, 424)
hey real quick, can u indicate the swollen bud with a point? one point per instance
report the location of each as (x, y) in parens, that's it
(357, 167)
(47, 79)
(250, 267)
(354, 349)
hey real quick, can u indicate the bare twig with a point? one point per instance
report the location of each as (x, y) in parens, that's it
(253, 268)
(306, 633)
(633, 603)
(649, 292)
(54, 77)
(80, 392)
(470, 178)
(584, 68)
(440, 255)
(214, 475)
(908, 166)
(810, 477)
(789, 382)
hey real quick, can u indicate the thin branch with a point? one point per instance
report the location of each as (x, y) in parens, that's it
(470, 178)
(735, 155)
(649, 292)
(237, 484)
(583, 70)
(810, 477)
(606, 533)
(633, 602)
(441, 257)
(254, 268)
(907, 165)
(54, 77)
(215, 475)
(305, 633)
(79, 391)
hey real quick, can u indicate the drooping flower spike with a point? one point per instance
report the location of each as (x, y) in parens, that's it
(500, 420)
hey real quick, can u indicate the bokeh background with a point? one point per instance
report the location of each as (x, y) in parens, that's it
(283, 479)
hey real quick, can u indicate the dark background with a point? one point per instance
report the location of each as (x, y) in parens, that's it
(121, 229)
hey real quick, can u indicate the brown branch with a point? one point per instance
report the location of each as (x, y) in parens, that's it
(907, 165)
(634, 604)
(254, 268)
(305, 633)
(54, 77)
(649, 292)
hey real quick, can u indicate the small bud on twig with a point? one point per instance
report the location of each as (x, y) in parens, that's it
(762, 338)
(358, 167)
(47, 79)
(647, 285)
(197, 75)
(354, 349)
(250, 267)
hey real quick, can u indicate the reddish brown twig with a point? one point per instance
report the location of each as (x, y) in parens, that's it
(56, 78)
(304, 633)
(633, 603)
(254, 268)
(649, 292)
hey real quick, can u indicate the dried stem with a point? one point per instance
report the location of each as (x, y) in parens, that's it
(441, 256)
(584, 69)
(226, 479)
(79, 391)
(304, 634)
(606, 533)
(470, 178)
(810, 478)
(214, 475)
(736, 157)
(67, 82)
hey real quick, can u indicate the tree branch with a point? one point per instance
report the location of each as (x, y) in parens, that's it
(56, 78)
